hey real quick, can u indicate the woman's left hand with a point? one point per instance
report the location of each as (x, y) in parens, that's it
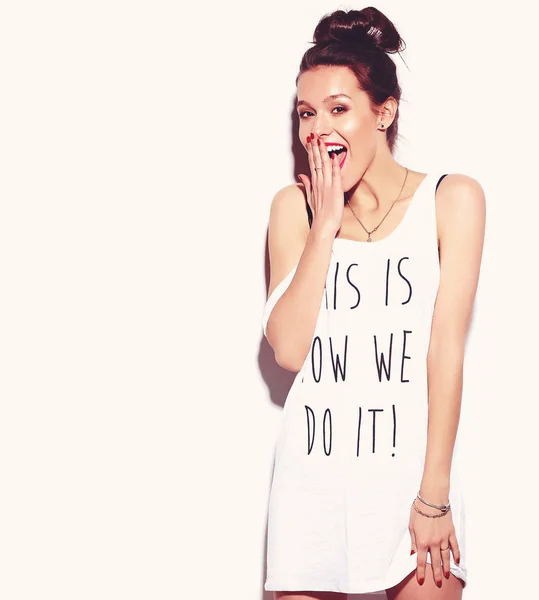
(436, 536)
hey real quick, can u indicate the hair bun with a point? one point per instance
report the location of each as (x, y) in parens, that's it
(365, 26)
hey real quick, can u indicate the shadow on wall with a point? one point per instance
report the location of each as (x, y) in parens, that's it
(277, 379)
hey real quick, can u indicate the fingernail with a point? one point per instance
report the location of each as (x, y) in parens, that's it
(439, 583)
(421, 581)
(458, 560)
(318, 141)
(308, 139)
(446, 575)
(412, 552)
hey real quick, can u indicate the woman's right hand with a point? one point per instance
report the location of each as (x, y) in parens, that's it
(324, 190)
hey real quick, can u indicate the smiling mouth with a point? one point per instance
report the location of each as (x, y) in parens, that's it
(337, 151)
(342, 150)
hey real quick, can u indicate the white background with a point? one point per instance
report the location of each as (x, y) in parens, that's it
(141, 145)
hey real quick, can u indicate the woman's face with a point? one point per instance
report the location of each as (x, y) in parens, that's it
(346, 119)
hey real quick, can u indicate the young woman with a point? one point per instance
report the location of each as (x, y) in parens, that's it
(374, 270)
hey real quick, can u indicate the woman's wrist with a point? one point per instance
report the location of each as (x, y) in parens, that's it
(436, 492)
(323, 231)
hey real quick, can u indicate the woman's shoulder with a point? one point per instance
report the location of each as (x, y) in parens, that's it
(460, 205)
(453, 183)
(289, 205)
(457, 193)
(292, 195)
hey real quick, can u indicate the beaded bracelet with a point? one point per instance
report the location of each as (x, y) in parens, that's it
(426, 514)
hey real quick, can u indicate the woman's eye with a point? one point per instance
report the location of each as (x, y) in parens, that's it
(309, 112)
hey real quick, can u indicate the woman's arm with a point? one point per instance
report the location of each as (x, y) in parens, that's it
(461, 212)
(292, 321)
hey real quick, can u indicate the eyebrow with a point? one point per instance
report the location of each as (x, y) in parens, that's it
(332, 97)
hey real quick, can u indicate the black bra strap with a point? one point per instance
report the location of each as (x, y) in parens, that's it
(439, 180)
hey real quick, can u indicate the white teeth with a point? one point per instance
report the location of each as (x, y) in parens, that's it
(334, 147)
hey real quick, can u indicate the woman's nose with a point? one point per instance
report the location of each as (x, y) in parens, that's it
(321, 134)
(320, 129)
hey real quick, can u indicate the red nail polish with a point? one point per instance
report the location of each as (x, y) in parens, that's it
(439, 583)
(458, 560)
(446, 575)
(421, 581)
(412, 552)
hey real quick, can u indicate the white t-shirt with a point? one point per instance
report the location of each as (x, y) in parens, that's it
(350, 452)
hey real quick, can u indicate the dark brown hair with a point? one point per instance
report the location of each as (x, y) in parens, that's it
(360, 40)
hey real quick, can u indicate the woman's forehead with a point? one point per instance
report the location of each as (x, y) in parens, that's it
(319, 84)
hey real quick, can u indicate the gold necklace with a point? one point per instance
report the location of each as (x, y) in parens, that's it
(369, 232)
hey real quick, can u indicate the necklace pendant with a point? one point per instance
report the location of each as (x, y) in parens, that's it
(369, 238)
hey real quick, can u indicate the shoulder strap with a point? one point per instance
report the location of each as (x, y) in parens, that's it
(440, 180)
(309, 213)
